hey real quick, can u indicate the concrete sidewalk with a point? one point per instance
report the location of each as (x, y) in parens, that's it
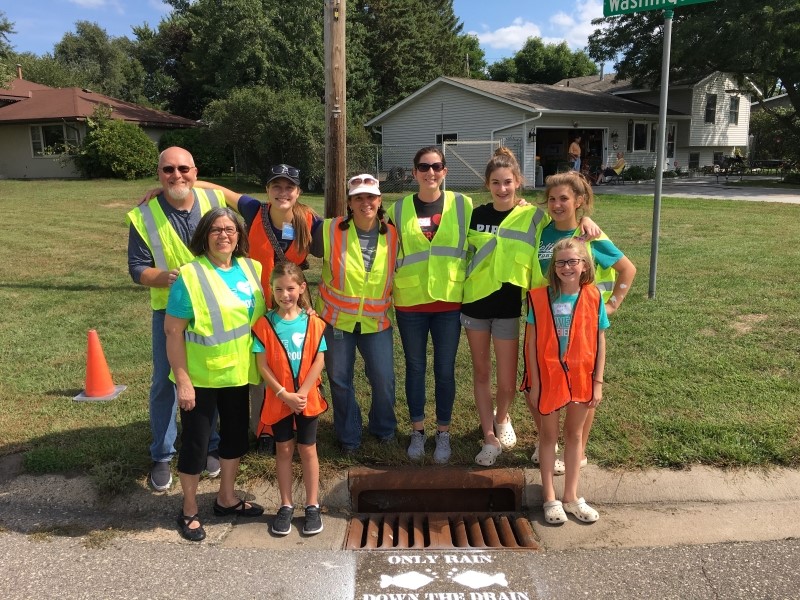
(638, 509)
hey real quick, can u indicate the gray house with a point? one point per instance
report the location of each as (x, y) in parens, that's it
(469, 118)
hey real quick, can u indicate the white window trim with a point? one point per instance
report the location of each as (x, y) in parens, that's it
(66, 130)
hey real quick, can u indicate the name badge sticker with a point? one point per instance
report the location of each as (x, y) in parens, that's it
(287, 232)
(424, 221)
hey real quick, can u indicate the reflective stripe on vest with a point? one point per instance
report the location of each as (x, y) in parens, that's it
(528, 237)
(340, 303)
(431, 270)
(220, 335)
(149, 220)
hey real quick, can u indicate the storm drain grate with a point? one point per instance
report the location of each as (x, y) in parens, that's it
(439, 531)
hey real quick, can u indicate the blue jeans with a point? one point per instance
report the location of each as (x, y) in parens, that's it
(445, 331)
(377, 351)
(164, 400)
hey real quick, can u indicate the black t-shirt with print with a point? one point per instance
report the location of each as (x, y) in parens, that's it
(506, 302)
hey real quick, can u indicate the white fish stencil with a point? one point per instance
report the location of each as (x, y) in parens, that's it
(410, 581)
(476, 580)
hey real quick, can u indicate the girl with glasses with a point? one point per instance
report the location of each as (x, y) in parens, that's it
(567, 322)
(569, 197)
(428, 287)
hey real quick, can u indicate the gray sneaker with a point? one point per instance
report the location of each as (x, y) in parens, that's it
(282, 523)
(416, 449)
(212, 465)
(313, 521)
(442, 452)
(160, 476)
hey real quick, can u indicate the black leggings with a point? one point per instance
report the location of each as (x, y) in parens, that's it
(233, 404)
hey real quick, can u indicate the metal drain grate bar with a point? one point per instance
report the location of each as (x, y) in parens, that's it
(400, 531)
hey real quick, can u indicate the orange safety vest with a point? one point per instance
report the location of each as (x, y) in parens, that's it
(569, 378)
(261, 250)
(349, 294)
(274, 409)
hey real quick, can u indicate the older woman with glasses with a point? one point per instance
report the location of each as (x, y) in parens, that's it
(359, 253)
(212, 306)
(432, 228)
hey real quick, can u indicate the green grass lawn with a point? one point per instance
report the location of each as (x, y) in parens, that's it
(707, 372)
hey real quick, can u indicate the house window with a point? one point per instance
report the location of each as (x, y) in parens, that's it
(694, 160)
(653, 136)
(640, 136)
(629, 142)
(717, 158)
(49, 140)
(671, 140)
(733, 114)
(446, 137)
(711, 108)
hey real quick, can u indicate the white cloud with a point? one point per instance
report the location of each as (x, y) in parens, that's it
(160, 6)
(511, 38)
(92, 4)
(575, 26)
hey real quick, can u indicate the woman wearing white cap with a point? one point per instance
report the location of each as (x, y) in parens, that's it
(359, 252)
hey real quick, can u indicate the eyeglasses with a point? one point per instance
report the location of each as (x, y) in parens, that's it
(169, 169)
(218, 231)
(425, 167)
(572, 262)
(356, 181)
(285, 170)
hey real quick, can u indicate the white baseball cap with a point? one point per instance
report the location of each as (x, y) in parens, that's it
(363, 184)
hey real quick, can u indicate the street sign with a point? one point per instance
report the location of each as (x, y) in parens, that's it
(621, 7)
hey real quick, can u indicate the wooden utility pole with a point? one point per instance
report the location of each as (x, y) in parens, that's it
(335, 109)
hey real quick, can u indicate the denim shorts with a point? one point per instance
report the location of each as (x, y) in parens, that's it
(502, 329)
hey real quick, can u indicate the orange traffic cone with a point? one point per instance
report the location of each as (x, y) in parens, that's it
(99, 385)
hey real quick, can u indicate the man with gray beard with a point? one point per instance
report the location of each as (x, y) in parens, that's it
(160, 231)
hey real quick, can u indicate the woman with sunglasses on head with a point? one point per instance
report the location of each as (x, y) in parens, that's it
(428, 287)
(359, 252)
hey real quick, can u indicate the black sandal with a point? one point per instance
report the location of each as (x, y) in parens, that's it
(240, 509)
(193, 535)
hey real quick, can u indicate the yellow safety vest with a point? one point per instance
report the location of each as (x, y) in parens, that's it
(167, 248)
(219, 344)
(604, 278)
(347, 293)
(504, 257)
(430, 271)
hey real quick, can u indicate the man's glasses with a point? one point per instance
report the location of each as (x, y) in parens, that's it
(425, 167)
(169, 169)
(218, 231)
(285, 170)
(572, 262)
(356, 181)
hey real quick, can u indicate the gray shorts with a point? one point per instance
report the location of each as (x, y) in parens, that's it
(502, 329)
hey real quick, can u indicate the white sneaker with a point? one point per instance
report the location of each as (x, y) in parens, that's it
(559, 468)
(442, 452)
(416, 449)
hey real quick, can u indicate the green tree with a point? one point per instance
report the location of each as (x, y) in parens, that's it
(710, 37)
(537, 62)
(771, 139)
(6, 29)
(114, 148)
(48, 71)
(475, 67)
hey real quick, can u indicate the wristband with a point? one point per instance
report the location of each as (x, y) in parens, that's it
(278, 393)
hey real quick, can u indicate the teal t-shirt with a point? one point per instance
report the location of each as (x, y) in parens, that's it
(179, 303)
(292, 335)
(563, 308)
(604, 252)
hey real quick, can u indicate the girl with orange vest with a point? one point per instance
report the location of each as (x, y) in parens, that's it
(566, 362)
(289, 349)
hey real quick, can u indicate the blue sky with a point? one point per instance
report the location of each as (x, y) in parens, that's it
(502, 27)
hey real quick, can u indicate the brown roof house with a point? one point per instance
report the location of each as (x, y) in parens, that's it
(36, 121)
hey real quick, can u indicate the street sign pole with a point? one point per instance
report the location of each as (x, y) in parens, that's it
(661, 149)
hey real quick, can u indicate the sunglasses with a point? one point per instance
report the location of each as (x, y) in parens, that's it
(425, 167)
(169, 169)
(356, 181)
(285, 170)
